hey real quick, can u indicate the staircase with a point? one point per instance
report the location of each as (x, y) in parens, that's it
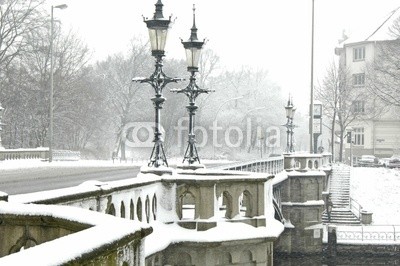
(339, 188)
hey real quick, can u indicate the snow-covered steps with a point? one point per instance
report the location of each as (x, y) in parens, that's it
(339, 188)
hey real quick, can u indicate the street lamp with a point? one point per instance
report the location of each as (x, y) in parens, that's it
(63, 6)
(1, 125)
(193, 50)
(290, 111)
(158, 31)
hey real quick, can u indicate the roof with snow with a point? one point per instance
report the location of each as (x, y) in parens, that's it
(379, 33)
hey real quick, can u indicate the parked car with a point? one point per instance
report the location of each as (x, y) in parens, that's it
(367, 161)
(384, 162)
(394, 162)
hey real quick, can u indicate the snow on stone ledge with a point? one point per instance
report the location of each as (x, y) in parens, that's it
(106, 229)
(165, 234)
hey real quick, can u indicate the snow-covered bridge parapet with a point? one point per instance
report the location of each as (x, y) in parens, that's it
(307, 161)
(38, 153)
(61, 235)
(23, 154)
(204, 197)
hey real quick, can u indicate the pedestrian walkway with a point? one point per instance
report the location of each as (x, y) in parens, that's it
(339, 189)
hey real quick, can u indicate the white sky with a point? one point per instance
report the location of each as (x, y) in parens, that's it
(270, 34)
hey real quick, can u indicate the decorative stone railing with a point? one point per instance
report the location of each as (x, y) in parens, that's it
(22, 154)
(60, 235)
(39, 153)
(306, 161)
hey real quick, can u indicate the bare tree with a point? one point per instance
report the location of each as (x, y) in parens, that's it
(383, 74)
(123, 95)
(345, 103)
(18, 18)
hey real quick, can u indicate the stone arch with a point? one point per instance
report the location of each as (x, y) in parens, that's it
(316, 164)
(154, 206)
(111, 209)
(157, 260)
(224, 258)
(245, 204)
(187, 206)
(139, 209)
(24, 242)
(247, 257)
(132, 210)
(122, 209)
(183, 259)
(147, 209)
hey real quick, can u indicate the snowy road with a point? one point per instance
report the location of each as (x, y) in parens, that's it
(28, 180)
(25, 176)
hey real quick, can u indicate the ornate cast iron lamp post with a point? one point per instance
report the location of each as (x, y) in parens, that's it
(158, 30)
(193, 50)
(290, 110)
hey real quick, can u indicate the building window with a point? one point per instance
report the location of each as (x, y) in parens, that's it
(359, 53)
(358, 106)
(359, 79)
(358, 136)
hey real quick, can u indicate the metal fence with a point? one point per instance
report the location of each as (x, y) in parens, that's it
(271, 165)
(368, 234)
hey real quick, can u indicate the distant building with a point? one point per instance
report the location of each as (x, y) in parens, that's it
(373, 134)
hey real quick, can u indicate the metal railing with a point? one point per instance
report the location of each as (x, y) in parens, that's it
(271, 165)
(370, 233)
(355, 207)
(66, 155)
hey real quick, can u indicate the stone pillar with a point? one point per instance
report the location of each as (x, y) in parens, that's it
(332, 242)
(366, 217)
(206, 201)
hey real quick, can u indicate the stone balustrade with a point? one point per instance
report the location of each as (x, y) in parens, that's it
(22, 154)
(38, 153)
(306, 161)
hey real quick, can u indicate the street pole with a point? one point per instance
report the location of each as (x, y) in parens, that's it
(312, 83)
(63, 6)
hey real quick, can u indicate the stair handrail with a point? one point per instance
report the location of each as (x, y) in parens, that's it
(355, 207)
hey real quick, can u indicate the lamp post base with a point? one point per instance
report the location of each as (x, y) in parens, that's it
(161, 170)
(193, 166)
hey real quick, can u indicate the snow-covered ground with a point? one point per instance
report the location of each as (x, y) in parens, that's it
(378, 191)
